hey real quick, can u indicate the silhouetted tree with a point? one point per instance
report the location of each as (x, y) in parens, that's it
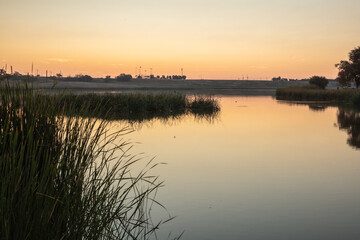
(349, 71)
(320, 82)
(85, 78)
(124, 77)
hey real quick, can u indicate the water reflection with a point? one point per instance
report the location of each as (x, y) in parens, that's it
(267, 170)
(313, 106)
(318, 107)
(349, 120)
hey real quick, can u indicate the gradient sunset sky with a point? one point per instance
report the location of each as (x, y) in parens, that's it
(210, 39)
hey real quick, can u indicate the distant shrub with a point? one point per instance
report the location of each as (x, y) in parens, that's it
(320, 82)
(85, 78)
(124, 77)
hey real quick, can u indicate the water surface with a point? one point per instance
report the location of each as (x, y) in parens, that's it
(263, 169)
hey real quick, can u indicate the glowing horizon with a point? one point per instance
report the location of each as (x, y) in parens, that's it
(208, 39)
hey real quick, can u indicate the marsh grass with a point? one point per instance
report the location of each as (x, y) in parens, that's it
(136, 107)
(344, 96)
(66, 177)
(201, 105)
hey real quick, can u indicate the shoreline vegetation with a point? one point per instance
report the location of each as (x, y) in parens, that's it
(350, 97)
(348, 76)
(69, 174)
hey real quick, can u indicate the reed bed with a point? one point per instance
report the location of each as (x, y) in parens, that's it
(67, 177)
(347, 96)
(203, 105)
(136, 106)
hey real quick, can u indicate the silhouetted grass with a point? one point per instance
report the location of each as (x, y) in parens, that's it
(66, 177)
(347, 96)
(203, 105)
(135, 106)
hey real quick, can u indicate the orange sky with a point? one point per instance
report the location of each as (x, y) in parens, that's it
(210, 39)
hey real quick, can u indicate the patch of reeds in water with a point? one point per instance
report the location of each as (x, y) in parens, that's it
(347, 96)
(136, 106)
(200, 105)
(65, 177)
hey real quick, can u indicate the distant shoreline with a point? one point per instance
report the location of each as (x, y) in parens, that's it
(212, 87)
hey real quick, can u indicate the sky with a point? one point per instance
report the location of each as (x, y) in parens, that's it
(227, 39)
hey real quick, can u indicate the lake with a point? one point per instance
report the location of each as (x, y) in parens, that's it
(262, 169)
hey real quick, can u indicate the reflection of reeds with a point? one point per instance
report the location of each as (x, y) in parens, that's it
(63, 177)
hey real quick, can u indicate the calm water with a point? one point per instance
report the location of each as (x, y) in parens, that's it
(261, 170)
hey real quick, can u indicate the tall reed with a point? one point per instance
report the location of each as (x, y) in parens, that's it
(67, 177)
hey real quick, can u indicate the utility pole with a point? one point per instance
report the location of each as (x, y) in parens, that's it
(140, 71)
(32, 69)
(46, 74)
(182, 72)
(11, 70)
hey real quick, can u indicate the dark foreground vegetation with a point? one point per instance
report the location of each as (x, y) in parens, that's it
(67, 177)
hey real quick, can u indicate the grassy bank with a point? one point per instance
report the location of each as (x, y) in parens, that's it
(67, 177)
(135, 106)
(344, 96)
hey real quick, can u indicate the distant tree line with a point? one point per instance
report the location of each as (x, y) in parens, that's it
(85, 78)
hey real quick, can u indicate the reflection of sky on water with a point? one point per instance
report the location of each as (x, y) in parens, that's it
(264, 171)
